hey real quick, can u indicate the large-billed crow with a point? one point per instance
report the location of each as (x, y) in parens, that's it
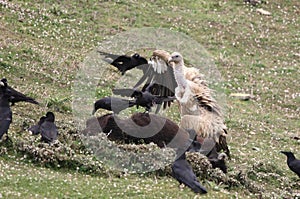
(183, 173)
(123, 62)
(48, 128)
(292, 162)
(5, 111)
(113, 104)
(8, 97)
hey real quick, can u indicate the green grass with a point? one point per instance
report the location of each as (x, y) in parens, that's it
(44, 43)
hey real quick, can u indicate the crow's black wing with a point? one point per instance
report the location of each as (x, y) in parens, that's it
(295, 166)
(16, 96)
(124, 62)
(35, 129)
(48, 131)
(4, 126)
(111, 57)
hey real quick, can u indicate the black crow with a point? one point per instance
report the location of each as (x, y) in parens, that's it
(15, 96)
(143, 98)
(35, 129)
(113, 104)
(124, 62)
(48, 128)
(5, 111)
(219, 162)
(183, 173)
(292, 162)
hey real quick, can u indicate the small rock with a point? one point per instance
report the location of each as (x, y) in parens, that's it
(255, 149)
(262, 11)
(242, 96)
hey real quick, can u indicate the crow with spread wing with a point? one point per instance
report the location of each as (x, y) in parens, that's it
(8, 97)
(124, 62)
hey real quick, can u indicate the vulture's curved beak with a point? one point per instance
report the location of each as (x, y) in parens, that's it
(170, 61)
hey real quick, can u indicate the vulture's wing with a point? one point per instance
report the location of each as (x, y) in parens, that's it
(156, 72)
(160, 74)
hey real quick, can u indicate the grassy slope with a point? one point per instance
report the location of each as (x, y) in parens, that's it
(42, 44)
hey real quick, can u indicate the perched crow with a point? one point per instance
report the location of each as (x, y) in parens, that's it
(35, 129)
(183, 173)
(292, 162)
(5, 111)
(143, 98)
(48, 129)
(15, 96)
(113, 104)
(124, 62)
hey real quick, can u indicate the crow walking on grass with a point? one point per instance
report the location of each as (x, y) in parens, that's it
(183, 173)
(292, 162)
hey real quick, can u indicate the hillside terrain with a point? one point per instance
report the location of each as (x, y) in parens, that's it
(44, 45)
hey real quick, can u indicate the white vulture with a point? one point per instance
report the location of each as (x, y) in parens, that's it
(199, 110)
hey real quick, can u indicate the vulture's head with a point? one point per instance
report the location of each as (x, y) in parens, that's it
(176, 58)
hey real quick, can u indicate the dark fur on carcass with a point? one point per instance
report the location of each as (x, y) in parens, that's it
(140, 128)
